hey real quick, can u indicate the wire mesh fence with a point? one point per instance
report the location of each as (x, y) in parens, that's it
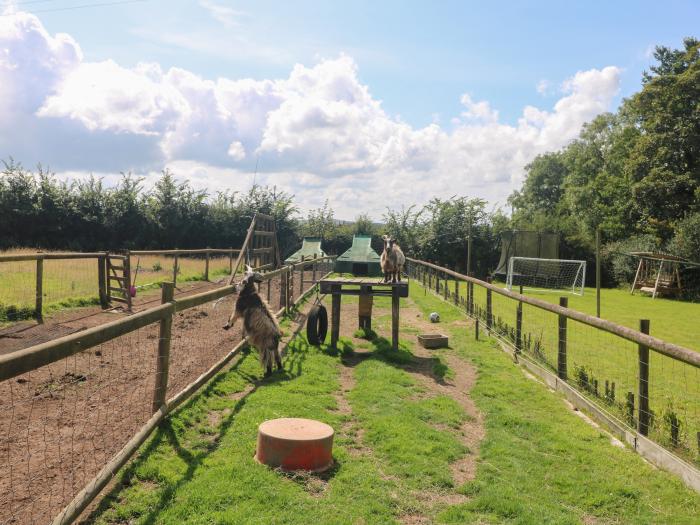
(648, 391)
(62, 422)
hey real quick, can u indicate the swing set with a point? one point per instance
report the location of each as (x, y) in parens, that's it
(660, 273)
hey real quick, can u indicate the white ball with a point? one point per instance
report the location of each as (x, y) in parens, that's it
(435, 317)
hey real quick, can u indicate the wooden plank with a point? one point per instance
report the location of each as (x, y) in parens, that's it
(27, 359)
(118, 300)
(663, 347)
(102, 281)
(263, 233)
(116, 278)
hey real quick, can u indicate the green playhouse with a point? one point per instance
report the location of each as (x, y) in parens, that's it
(360, 259)
(310, 248)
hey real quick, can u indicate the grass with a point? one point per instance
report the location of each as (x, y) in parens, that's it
(539, 463)
(599, 362)
(73, 283)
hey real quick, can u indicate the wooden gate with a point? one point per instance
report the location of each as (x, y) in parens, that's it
(118, 279)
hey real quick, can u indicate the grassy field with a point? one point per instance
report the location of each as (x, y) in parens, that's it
(538, 463)
(599, 362)
(73, 282)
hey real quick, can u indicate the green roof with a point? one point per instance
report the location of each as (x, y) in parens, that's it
(361, 250)
(310, 247)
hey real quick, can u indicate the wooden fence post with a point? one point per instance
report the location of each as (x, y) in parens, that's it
(39, 301)
(175, 270)
(489, 310)
(476, 331)
(437, 282)
(301, 280)
(127, 280)
(470, 298)
(643, 421)
(446, 287)
(561, 354)
(163, 363)
(102, 279)
(283, 290)
(230, 261)
(206, 265)
(519, 328)
(313, 271)
(456, 297)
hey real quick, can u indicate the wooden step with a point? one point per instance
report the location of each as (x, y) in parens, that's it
(264, 233)
(117, 278)
(118, 290)
(119, 300)
(114, 267)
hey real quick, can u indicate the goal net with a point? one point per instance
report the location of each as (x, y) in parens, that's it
(546, 274)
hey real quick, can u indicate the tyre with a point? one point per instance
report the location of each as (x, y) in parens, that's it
(317, 325)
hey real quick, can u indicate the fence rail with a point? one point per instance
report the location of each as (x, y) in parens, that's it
(645, 389)
(74, 410)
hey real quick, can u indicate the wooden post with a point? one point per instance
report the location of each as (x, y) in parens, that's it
(489, 310)
(127, 280)
(519, 328)
(365, 308)
(437, 282)
(283, 290)
(476, 331)
(643, 421)
(301, 280)
(561, 354)
(102, 279)
(456, 297)
(39, 301)
(446, 287)
(230, 261)
(206, 265)
(394, 318)
(470, 298)
(175, 270)
(597, 271)
(268, 290)
(335, 315)
(163, 363)
(313, 271)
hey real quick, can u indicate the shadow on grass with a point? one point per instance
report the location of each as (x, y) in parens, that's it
(431, 367)
(189, 452)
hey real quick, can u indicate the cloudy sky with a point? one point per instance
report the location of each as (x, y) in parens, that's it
(366, 104)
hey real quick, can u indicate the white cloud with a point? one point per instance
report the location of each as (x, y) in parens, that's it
(223, 13)
(318, 133)
(543, 87)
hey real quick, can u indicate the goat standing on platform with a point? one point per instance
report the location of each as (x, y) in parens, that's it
(259, 323)
(392, 260)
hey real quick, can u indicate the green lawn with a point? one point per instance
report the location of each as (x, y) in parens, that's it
(539, 463)
(599, 362)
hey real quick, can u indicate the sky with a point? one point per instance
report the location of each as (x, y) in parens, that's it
(367, 105)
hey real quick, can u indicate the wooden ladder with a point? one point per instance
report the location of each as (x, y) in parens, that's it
(119, 279)
(264, 251)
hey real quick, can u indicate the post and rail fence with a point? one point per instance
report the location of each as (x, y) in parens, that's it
(645, 390)
(108, 387)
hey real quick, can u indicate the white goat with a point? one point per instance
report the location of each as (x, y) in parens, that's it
(392, 260)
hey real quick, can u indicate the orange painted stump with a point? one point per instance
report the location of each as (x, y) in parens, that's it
(295, 444)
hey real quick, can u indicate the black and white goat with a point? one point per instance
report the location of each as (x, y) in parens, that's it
(259, 323)
(392, 260)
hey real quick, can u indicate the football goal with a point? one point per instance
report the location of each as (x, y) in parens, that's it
(546, 274)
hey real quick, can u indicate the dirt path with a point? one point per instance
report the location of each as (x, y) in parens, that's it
(461, 379)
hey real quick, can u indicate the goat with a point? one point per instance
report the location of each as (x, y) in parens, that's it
(392, 260)
(259, 323)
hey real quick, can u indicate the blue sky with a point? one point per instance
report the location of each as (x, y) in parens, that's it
(417, 57)
(408, 65)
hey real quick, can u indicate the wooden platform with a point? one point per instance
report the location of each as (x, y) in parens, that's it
(366, 288)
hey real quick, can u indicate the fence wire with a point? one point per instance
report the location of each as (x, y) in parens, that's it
(59, 424)
(603, 366)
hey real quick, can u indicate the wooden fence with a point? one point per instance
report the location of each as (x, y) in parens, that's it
(302, 276)
(592, 361)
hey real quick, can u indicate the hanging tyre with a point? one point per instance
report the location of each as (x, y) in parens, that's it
(317, 325)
